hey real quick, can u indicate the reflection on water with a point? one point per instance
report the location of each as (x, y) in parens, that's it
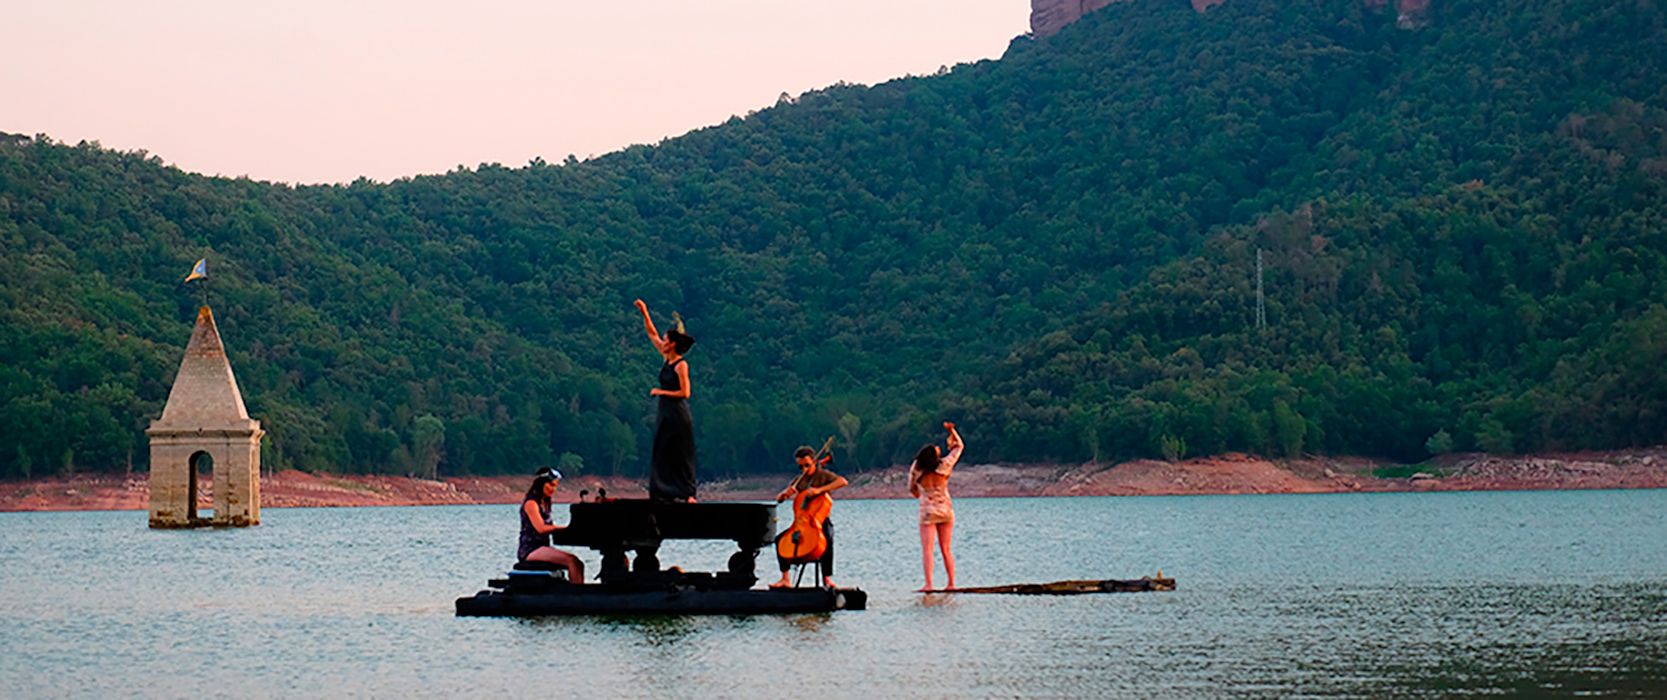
(810, 623)
(655, 630)
(936, 600)
(1332, 596)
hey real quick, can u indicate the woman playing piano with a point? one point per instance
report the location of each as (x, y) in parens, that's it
(536, 527)
(672, 477)
(929, 482)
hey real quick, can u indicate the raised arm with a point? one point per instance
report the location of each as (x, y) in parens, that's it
(953, 457)
(648, 323)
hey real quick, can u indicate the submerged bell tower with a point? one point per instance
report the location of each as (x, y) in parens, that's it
(204, 421)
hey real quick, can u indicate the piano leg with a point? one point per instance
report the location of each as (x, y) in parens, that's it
(613, 564)
(647, 562)
(744, 562)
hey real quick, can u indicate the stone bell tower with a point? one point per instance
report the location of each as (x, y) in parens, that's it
(204, 420)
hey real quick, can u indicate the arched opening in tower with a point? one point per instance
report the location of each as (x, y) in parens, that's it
(202, 472)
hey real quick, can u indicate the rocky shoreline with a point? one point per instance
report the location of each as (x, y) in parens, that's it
(1222, 474)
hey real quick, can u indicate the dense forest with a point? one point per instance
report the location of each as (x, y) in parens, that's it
(1463, 230)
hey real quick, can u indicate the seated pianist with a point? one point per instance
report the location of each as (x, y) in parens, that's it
(536, 527)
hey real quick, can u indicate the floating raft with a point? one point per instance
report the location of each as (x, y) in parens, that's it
(613, 527)
(530, 596)
(597, 600)
(1074, 587)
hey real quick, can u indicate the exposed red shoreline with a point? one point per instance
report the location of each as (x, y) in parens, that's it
(1224, 474)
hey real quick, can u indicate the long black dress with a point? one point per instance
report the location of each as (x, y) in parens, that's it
(673, 474)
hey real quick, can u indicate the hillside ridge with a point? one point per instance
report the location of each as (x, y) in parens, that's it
(1047, 17)
(1461, 231)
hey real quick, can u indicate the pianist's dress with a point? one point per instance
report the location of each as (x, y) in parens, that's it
(531, 541)
(673, 473)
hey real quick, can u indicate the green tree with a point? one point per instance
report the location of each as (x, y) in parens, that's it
(1173, 448)
(1495, 438)
(1440, 443)
(619, 443)
(1289, 428)
(850, 428)
(570, 464)
(428, 437)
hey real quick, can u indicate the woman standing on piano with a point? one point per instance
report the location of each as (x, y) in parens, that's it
(536, 527)
(929, 482)
(672, 476)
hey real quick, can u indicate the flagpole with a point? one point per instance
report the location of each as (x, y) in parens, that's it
(199, 274)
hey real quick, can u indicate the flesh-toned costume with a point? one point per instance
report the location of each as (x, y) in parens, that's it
(935, 506)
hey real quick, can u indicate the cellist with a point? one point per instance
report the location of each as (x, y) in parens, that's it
(814, 479)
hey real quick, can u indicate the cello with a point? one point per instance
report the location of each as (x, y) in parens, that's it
(803, 542)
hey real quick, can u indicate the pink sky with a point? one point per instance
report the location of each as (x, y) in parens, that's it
(329, 90)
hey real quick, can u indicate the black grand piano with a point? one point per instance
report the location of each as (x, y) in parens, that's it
(640, 526)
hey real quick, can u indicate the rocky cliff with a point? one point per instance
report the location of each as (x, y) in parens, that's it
(1047, 17)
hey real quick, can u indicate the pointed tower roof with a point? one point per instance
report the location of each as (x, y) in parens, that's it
(205, 394)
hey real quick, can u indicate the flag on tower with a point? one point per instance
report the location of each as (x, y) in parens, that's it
(199, 271)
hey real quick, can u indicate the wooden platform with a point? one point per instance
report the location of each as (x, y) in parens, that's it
(531, 593)
(1073, 587)
(601, 599)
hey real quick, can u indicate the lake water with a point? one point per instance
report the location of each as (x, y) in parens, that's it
(1374, 595)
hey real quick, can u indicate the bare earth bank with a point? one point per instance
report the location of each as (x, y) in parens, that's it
(1223, 474)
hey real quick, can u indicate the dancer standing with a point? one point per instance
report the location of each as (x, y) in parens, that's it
(672, 476)
(929, 482)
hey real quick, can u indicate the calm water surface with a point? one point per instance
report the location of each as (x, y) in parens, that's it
(1376, 595)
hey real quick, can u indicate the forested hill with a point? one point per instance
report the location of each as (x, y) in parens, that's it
(1464, 229)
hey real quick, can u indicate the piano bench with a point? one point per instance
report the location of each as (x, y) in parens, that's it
(525, 565)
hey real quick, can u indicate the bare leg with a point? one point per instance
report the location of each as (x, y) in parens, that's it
(926, 533)
(946, 532)
(781, 582)
(575, 567)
